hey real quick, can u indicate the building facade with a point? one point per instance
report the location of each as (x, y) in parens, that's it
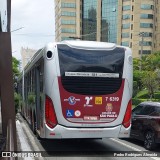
(67, 19)
(133, 23)
(141, 26)
(26, 54)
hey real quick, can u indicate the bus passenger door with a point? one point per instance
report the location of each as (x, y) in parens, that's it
(39, 94)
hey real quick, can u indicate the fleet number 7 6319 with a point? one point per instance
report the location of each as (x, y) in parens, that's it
(112, 99)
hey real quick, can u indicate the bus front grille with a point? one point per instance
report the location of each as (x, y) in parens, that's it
(91, 85)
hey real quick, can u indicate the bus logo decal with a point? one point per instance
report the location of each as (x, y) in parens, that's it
(69, 113)
(72, 100)
(88, 99)
(109, 107)
(77, 113)
(98, 100)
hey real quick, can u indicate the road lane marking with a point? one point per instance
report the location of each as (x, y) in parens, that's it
(135, 149)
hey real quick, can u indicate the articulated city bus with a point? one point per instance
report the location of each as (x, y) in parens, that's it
(78, 89)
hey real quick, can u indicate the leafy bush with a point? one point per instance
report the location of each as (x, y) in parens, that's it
(31, 98)
(157, 95)
(135, 88)
(136, 101)
(17, 101)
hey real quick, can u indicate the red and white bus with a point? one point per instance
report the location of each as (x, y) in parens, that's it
(78, 89)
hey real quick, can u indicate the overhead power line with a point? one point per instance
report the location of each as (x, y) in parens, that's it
(17, 29)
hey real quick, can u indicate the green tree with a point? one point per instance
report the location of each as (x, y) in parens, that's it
(15, 68)
(137, 75)
(136, 64)
(16, 72)
(151, 62)
(137, 78)
(149, 75)
(149, 81)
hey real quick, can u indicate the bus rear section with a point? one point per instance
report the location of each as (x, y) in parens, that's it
(92, 90)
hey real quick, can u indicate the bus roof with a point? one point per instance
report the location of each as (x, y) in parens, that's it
(89, 44)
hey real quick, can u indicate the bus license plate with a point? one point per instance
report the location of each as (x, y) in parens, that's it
(91, 118)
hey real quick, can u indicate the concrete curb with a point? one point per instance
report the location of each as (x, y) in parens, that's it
(27, 141)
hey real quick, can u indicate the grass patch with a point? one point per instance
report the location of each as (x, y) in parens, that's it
(142, 94)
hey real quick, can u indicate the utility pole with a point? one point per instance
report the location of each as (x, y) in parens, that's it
(99, 10)
(142, 40)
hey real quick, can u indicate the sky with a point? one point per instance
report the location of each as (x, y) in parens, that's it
(32, 24)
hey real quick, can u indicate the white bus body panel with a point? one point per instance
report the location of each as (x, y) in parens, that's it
(66, 129)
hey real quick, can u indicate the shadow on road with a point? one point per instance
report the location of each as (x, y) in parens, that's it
(77, 147)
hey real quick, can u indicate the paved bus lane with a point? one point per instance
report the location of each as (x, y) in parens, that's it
(101, 149)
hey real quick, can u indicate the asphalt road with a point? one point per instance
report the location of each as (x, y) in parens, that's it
(101, 149)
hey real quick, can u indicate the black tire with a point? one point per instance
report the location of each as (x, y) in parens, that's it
(34, 128)
(39, 138)
(149, 140)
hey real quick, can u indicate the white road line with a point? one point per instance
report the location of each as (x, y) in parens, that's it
(135, 149)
